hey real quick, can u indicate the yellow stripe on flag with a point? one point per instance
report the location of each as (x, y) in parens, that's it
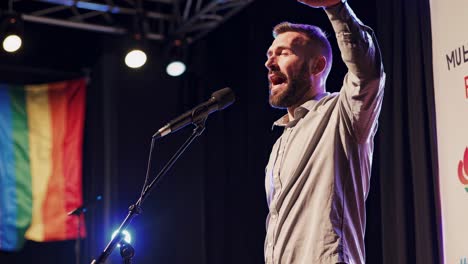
(40, 140)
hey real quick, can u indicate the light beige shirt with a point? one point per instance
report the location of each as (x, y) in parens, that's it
(317, 178)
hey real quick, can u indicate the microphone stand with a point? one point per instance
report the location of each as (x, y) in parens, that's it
(78, 238)
(127, 252)
(79, 212)
(135, 209)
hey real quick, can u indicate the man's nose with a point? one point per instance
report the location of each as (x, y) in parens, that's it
(270, 63)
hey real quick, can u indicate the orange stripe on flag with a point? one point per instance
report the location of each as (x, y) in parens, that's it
(55, 214)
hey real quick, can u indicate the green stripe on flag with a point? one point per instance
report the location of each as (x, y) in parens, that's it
(22, 160)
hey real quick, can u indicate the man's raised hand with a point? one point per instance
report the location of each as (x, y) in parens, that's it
(320, 3)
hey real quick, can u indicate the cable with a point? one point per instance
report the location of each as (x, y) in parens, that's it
(148, 169)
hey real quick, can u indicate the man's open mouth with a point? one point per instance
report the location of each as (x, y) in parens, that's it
(276, 81)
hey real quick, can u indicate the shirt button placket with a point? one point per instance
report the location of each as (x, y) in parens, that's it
(272, 231)
(272, 226)
(274, 215)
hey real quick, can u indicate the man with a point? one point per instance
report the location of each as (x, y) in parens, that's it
(317, 178)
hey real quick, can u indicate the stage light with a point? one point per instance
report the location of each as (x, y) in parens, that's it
(127, 237)
(135, 58)
(12, 43)
(176, 68)
(176, 57)
(12, 30)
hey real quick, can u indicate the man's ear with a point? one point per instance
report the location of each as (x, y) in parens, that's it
(317, 65)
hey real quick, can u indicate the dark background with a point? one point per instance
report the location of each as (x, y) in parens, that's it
(211, 206)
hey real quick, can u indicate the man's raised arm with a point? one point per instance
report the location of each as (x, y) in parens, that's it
(362, 90)
(356, 41)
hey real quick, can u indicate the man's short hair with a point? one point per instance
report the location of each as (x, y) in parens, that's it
(315, 34)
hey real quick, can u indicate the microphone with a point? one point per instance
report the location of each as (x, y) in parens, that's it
(218, 101)
(83, 208)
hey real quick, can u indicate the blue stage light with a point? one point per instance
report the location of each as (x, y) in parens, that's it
(127, 236)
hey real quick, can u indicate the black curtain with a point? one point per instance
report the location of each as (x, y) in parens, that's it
(406, 156)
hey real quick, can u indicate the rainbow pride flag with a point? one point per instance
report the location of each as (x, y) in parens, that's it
(41, 136)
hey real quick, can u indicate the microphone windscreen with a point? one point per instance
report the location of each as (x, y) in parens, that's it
(225, 97)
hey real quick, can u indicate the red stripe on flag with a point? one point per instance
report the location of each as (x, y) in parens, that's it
(73, 150)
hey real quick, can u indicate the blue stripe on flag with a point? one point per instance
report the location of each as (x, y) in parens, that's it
(8, 203)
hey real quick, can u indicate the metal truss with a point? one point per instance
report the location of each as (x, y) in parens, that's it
(156, 19)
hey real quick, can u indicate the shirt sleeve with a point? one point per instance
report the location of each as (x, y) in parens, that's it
(361, 96)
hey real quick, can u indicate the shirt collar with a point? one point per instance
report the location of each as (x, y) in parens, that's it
(299, 112)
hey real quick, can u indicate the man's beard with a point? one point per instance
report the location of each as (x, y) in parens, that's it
(297, 87)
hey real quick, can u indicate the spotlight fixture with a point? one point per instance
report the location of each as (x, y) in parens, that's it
(12, 31)
(135, 58)
(176, 68)
(12, 43)
(176, 65)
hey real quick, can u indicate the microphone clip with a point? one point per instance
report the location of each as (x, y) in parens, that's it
(200, 126)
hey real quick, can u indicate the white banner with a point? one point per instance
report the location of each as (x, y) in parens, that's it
(450, 54)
